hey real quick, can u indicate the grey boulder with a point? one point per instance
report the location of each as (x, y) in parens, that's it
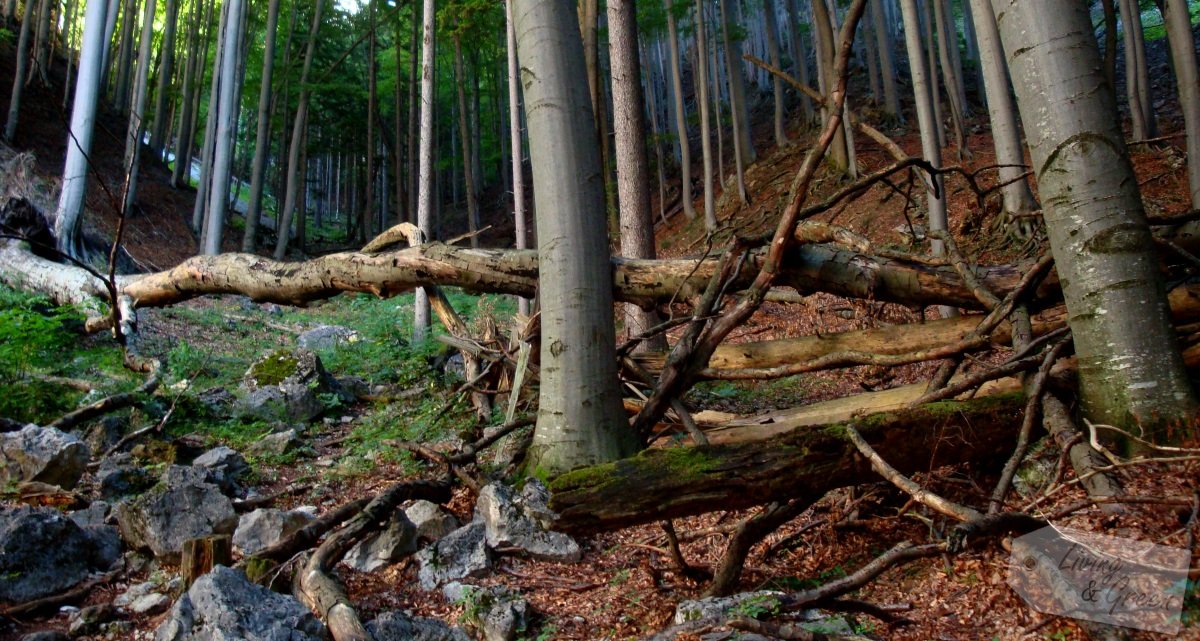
(510, 526)
(396, 541)
(43, 552)
(225, 467)
(398, 626)
(432, 522)
(184, 506)
(42, 454)
(326, 336)
(288, 385)
(265, 527)
(460, 554)
(223, 606)
(498, 613)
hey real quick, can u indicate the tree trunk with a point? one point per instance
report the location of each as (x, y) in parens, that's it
(1110, 41)
(514, 130)
(203, 186)
(930, 150)
(183, 158)
(425, 188)
(465, 135)
(838, 151)
(891, 97)
(292, 187)
(580, 418)
(1183, 55)
(740, 112)
(161, 120)
(633, 171)
(79, 143)
(125, 55)
(1137, 79)
(955, 93)
(806, 463)
(1006, 135)
(41, 45)
(701, 80)
(772, 27)
(800, 58)
(14, 105)
(262, 134)
(226, 119)
(367, 215)
(685, 153)
(136, 132)
(1131, 372)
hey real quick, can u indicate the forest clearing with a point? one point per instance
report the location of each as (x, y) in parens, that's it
(711, 319)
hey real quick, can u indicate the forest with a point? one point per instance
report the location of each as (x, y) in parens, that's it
(599, 319)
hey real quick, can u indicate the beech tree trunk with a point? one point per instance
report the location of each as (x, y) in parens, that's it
(685, 153)
(772, 27)
(425, 187)
(1183, 55)
(262, 133)
(1131, 372)
(891, 97)
(166, 68)
(702, 88)
(1137, 78)
(464, 134)
(580, 418)
(924, 98)
(294, 177)
(14, 104)
(136, 131)
(514, 130)
(226, 119)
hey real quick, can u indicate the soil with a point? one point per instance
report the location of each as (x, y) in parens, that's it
(627, 585)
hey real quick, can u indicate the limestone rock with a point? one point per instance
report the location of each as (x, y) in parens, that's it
(44, 552)
(396, 541)
(499, 613)
(326, 336)
(510, 526)
(460, 554)
(222, 605)
(398, 626)
(42, 454)
(432, 522)
(184, 506)
(288, 385)
(225, 467)
(265, 527)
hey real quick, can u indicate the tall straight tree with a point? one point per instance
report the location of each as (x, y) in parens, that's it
(367, 215)
(262, 133)
(771, 24)
(1137, 78)
(425, 184)
(685, 152)
(292, 187)
(14, 103)
(137, 111)
(731, 41)
(887, 68)
(1183, 54)
(800, 57)
(227, 113)
(1131, 372)
(1006, 136)
(701, 79)
(514, 131)
(633, 168)
(580, 419)
(161, 120)
(464, 134)
(79, 141)
(924, 98)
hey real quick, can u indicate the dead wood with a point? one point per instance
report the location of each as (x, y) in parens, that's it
(201, 554)
(1084, 460)
(111, 403)
(670, 483)
(750, 532)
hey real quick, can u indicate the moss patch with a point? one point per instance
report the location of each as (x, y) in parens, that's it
(276, 368)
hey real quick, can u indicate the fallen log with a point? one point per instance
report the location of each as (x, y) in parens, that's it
(671, 483)
(806, 268)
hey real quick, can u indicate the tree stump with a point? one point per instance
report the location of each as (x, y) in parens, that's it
(201, 554)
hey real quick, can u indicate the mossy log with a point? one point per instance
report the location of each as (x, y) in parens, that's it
(808, 462)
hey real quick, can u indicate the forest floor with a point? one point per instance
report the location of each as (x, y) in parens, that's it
(626, 585)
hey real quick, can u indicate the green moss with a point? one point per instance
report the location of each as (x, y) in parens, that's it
(275, 368)
(580, 477)
(684, 461)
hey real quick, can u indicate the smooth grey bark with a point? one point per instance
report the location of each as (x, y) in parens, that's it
(83, 120)
(262, 133)
(226, 118)
(41, 45)
(839, 150)
(869, 52)
(137, 111)
(701, 79)
(125, 55)
(740, 111)
(464, 135)
(1006, 135)
(633, 167)
(930, 150)
(931, 70)
(191, 80)
(887, 65)
(1137, 78)
(947, 41)
(14, 103)
(1183, 55)
(580, 418)
(367, 215)
(1110, 41)
(293, 183)
(425, 186)
(800, 58)
(161, 120)
(771, 24)
(1131, 372)
(210, 129)
(514, 131)
(685, 152)
(110, 27)
(69, 46)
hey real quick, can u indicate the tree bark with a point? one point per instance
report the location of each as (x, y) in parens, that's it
(136, 131)
(1183, 55)
(685, 153)
(1137, 78)
(772, 27)
(425, 187)
(464, 134)
(165, 69)
(14, 104)
(924, 98)
(514, 130)
(580, 419)
(294, 177)
(262, 133)
(891, 97)
(1131, 372)
(671, 483)
(226, 115)
(701, 80)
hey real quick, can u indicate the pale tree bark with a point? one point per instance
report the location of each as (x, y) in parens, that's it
(425, 184)
(514, 131)
(262, 133)
(800, 58)
(227, 115)
(740, 112)
(14, 104)
(137, 111)
(191, 80)
(125, 55)
(464, 135)
(162, 120)
(1131, 372)
(580, 417)
(633, 171)
(41, 46)
(1137, 78)
(68, 218)
(887, 66)
(69, 48)
(1183, 54)
(839, 150)
(685, 153)
(292, 185)
(1110, 41)
(367, 215)
(772, 27)
(930, 150)
(204, 183)
(701, 79)
(948, 41)
(1006, 135)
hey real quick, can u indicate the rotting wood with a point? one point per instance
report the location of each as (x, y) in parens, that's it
(671, 483)
(201, 554)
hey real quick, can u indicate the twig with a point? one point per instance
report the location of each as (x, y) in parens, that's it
(902, 552)
(907, 485)
(109, 404)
